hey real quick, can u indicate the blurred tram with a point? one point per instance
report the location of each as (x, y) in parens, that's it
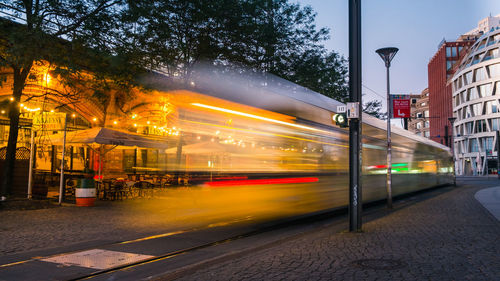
(279, 138)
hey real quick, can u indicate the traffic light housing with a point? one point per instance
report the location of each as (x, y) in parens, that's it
(340, 120)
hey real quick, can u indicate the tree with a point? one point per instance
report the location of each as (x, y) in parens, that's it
(320, 71)
(53, 31)
(374, 108)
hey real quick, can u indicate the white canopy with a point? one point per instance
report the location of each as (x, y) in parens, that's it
(102, 135)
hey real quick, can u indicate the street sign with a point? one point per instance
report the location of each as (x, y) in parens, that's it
(401, 106)
(352, 110)
(341, 109)
(49, 121)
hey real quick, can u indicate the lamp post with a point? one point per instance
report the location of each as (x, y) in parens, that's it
(452, 145)
(387, 54)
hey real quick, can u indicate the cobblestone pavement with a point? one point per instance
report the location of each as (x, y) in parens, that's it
(447, 237)
(30, 230)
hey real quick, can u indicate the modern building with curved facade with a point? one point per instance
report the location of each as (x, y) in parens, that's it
(476, 94)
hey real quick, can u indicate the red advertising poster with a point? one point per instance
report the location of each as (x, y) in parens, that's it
(401, 106)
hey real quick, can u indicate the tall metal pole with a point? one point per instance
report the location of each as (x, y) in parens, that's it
(389, 148)
(355, 202)
(61, 178)
(387, 54)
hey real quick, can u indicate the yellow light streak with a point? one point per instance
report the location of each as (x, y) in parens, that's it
(262, 133)
(254, 116)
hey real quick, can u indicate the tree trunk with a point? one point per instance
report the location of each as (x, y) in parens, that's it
(10, 157)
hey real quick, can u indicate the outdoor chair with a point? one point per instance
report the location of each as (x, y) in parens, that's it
(145, 189)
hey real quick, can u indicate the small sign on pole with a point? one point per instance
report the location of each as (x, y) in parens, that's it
(353, 110)
(401, 106)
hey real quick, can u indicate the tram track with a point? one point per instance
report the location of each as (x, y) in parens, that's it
(315, 218)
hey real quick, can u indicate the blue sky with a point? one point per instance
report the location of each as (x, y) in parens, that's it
(414, 26)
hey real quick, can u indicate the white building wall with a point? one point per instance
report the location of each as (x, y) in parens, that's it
(476, 105)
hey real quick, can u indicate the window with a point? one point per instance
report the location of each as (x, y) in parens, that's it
(423, 104)
(494, 69)
(426, 113)
(491, 107)
(482, 44)
(468, 78)
(413, 101)
(457, 100)
(472, 94)
(487, 144)
(476, 109)
(453, 52)
(479, 74)
(427, 134)
(491, 54)
(468, 127)
(467, 112)
(460, 130)
(474, 147)
(448, 52)
(477, 58)
(419, 115)
(494, 124)
(460, 49)
(485, 90)
(480, 126)
(465, 98)
(426, 124)
(449, 64)
(459, 114)
(419, 125)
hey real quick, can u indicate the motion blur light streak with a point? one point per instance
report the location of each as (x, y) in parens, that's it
(254, 116)
(264, 133)
(261, 181)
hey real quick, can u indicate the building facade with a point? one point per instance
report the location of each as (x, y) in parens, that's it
(476, 92)
(440, 70)
(419, 123)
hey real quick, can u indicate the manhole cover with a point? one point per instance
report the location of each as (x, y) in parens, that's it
(384, 264)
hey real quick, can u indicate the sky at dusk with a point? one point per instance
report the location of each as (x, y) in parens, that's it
(416, 27)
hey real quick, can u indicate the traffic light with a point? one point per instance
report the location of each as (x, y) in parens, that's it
(341, 120)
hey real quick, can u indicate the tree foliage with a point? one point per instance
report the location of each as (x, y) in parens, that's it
(374, 108)
(117, 39)
(59, 32)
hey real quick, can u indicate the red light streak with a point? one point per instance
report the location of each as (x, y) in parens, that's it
(260, 181)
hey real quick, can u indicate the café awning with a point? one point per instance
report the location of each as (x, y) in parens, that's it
(107, 136)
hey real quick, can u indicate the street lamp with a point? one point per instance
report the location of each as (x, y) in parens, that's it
(387, 54)
(452, 120)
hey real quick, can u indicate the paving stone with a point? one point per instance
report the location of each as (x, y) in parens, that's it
(446, 237)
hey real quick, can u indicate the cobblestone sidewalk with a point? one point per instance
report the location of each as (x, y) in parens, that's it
(447, 237)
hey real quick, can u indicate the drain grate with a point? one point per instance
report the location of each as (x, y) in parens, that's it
(382, 264)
